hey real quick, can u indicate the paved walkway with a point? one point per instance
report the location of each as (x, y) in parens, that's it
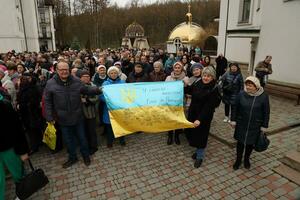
(147, 168)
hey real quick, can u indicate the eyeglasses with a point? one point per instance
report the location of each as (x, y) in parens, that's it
(62, 70)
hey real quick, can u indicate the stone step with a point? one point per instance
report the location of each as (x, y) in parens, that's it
(288, 173)
(292, 159)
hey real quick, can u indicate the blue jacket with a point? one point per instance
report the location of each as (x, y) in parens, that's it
(109, 81)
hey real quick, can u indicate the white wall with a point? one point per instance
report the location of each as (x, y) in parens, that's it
(238, 49)
(31, 26)
(280, 37)
(10, 33)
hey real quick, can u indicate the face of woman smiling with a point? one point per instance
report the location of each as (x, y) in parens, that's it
(207, 78)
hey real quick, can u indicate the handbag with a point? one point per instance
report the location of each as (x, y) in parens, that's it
(262, 142)
(31, 183)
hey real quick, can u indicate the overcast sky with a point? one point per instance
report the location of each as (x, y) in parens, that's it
(122, 3)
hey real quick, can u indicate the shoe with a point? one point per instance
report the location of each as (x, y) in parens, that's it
(109, 145)
(229, 121)
(236, 165)
(87, 161)
(170, 140)
(69, 163)
(247, 164)
(194, 156)
(198, 163)
(225, 119)
(176, 139)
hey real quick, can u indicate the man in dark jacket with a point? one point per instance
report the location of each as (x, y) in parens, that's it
(263, 69)
(13, 145)
(63, 104)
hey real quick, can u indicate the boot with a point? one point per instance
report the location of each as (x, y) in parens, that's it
(239, 155)
(248, 152)
(176, 138)
(170, 138)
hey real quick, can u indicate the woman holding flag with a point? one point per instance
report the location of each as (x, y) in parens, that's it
(178, 74)
(113, 78)
(204, 100)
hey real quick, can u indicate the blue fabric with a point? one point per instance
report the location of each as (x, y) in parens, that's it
(69, 135)
(109, 81)
(200, 154)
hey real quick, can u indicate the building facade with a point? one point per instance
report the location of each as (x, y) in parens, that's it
(251, 29)
(135, 37)
(20, 26)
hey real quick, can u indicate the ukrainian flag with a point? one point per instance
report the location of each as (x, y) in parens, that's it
(147, 107)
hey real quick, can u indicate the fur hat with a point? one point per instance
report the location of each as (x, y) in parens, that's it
(209, 70)
(178, 63)
(101, 66)
(196, 65)
(254, 80)
(113, 68)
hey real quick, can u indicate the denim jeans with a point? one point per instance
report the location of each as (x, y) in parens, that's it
(70, 133)
(200, 153)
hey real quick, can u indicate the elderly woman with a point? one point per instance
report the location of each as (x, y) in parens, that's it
(177, 74)
(250, 116)
(98, 79)
(158, 73)
(113, 78)
(201, 111)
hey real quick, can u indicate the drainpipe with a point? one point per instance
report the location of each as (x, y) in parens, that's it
(226, 27)
(25, 37)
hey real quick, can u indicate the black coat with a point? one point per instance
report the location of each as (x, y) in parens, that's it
(12, 133)
(28, 99)
(221, 66)
(236, 80)
(63, 100)
(137, 77)
(250, 114)
(202, 108)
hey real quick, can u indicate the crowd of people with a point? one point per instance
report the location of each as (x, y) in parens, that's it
(65, 89)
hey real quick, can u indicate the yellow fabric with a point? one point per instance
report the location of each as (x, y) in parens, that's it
(148, 119)
(49, 137)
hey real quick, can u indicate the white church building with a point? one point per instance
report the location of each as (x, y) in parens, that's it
(26, 25)
(251, 29)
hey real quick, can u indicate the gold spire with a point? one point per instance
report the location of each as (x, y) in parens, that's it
(189, 15)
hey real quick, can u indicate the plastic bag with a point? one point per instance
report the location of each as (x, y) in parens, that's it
(49, 137)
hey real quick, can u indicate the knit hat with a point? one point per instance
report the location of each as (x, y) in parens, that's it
(209, 70)
(118, 63)
(196, 65)
(84, 72)
(113, 68)
(254, 80)
(101, 66)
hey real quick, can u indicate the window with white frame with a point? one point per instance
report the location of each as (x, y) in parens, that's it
(245, 9)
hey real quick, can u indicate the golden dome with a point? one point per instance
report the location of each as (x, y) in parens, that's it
(134, 30)
(188, 32)
(191, 33)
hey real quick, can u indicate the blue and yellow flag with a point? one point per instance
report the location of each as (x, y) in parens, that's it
(148, 107)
